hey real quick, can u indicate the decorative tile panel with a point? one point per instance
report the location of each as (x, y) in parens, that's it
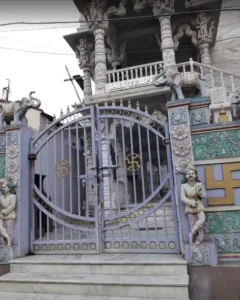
(2, 166)
(222, 222)
(217, 144)
(178, 116)
(2, 143)
(199, 116)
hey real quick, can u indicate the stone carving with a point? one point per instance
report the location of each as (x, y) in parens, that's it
(205, 25)
(184, 29)
(234, 99)
(199, 116)
(222, 222)
(82, 53)
(200, 255)
(14, 113)
(176, 81)
(180, 137)
(192, 192)
(5, 256)
(178, 117)
(217, 144)
(7, 211)
(227, 243)
(12, 156)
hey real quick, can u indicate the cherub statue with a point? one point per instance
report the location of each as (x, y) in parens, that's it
(192, 192)
(7, 211)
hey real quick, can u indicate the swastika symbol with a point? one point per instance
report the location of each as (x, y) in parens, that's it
(133, 162)
(63, 168)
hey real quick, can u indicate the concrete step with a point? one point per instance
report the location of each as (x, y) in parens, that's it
(141, 264)
(94, 285)
(32, 296)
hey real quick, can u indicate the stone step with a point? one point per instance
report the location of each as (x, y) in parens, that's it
(94, 285)
(33, 296)
(141, 264)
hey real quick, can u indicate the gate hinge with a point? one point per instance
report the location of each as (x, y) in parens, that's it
(32, 157)
(166, 142)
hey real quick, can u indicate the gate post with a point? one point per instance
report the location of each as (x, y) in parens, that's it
(16, 169)
(182, 155)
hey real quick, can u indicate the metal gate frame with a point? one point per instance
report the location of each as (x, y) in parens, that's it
(90, 120)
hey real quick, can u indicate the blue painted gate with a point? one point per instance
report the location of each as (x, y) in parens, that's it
(103, 183)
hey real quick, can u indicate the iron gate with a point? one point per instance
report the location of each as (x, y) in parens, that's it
(103, 182)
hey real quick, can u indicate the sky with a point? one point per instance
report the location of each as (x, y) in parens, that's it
(42, 73)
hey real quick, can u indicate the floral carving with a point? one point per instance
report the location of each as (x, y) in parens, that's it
(181, 164)
(12, 152)
(179, 132)
(13, 178)
(181, 149)
(217, 144)
(12, 166)
(200, 255)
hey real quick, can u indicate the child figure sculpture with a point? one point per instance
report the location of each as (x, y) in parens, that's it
(7, 211)
(192, 192)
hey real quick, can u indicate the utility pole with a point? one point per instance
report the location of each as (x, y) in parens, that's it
(6, 92)
(72, 81)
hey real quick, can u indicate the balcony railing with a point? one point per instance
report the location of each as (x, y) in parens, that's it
(142, 75)
(132, 77)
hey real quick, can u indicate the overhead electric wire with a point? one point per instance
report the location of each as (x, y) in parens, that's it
(182, 48)
(122, 18)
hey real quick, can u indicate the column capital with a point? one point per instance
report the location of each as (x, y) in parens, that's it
(162, 6)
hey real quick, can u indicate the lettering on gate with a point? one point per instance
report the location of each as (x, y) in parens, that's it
(126, 84)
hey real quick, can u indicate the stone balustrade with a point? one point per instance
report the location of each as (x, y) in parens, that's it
(131, 77)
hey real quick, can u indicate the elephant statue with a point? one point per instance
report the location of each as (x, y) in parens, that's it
(234, 99)
(176, 81)
(14, 113)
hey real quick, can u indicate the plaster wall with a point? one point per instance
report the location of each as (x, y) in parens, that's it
(34, 117)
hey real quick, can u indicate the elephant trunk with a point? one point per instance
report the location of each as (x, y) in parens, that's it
(156, 77)
(38, 102)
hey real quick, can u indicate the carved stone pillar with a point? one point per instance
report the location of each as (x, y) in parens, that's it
(87, 81)
(100, 61)
(161, 7)
(84, 63)
(205, 53)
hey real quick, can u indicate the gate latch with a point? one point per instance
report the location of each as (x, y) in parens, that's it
(166, 142)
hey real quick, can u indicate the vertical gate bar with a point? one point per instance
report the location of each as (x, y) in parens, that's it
(109, 167)
(62, 181)
(40, 224)
(133, 173)
(156, 224)
(165, 221)
(70, 162)
(141, 156)
(150, 160)
(78, 172)
(159, 159)
(172, 188)
(100, 224)
(116, 162)
(70, 174)
(55, 184)
(47, 228)
(85, 160)
(125, 172)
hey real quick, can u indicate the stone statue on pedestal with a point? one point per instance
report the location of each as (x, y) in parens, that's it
(7, 211)
(192, 192)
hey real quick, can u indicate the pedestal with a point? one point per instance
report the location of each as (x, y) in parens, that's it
(204, 254)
